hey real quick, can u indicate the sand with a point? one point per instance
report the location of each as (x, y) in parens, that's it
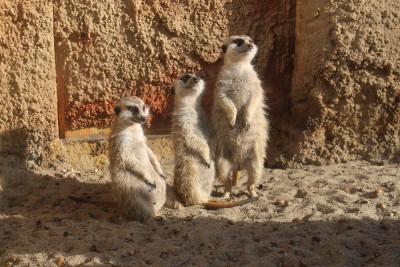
(338, 215)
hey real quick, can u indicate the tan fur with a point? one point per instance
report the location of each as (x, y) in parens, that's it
(137, 178)
(238, 117)
(194, 166)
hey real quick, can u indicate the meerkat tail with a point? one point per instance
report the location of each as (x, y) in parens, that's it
(211, 205)
(235, 178)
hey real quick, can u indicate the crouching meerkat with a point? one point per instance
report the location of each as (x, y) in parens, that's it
(137, 179)
(194, 167)
(238, 117)
(194, 164)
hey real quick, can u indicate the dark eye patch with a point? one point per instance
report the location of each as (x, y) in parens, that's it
(224, 48)
(117, 110)
(238, 42)
(133, 109)
(185, 78)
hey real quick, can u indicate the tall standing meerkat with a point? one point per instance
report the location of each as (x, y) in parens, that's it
(239, 117)
(194, 167)
(137, 179)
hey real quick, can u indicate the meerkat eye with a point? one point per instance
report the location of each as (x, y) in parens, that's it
(250, 41)
(185, 78)
(133, 109)
(238, 42)
(117, 110)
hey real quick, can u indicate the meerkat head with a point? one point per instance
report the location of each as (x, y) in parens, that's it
(189, 85)
(239, 48)
(131, 110)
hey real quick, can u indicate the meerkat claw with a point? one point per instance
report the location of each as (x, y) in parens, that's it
(152, 185)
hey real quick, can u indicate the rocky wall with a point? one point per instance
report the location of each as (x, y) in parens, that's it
(330, 69)
(28, 121)
(109, 49)
(345, 93)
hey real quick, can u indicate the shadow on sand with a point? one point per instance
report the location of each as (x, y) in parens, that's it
(38, 219)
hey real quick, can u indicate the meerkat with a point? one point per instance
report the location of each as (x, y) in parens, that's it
(239, 116)
(194, 172)
(137, 179)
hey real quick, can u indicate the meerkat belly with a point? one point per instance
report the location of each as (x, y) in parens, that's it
(193, 178)
(152, 195)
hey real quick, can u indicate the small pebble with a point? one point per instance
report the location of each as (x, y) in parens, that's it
(158, 218)
(288, 203)
(296, 220)
(346, 189)
(381, 206)
(60, 261)
(164, 255)
(173, 251)
(378, 192)
(279, 202)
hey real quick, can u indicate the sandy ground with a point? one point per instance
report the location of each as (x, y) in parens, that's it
(340, 215)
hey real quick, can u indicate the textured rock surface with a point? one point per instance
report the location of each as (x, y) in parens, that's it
(334, 92)
(106, 50)
(28, 120)
(346, 89)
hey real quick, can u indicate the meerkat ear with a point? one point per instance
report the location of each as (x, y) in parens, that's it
(117, 110)
(224, 48)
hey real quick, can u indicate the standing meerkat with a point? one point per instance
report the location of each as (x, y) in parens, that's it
(194, 167)
(137, 179)
(239, 117)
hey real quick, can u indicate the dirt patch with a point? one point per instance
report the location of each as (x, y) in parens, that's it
(346, 214)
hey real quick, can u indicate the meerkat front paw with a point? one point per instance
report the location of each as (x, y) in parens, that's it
(207, 158)
(161, 173)
(247, 125)
(232, 121)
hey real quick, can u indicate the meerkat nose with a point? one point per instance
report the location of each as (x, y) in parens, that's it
(196, 79)
(250, 46)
